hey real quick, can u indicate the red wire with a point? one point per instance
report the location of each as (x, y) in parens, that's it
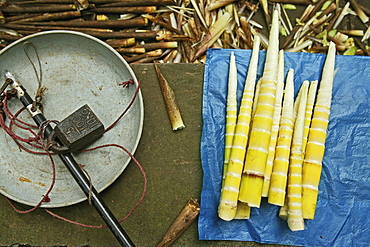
(36, 138)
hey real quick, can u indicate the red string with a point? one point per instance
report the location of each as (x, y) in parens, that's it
(36, 142)
(132, 210)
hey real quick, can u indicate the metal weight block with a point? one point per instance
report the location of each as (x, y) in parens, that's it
(79, 129)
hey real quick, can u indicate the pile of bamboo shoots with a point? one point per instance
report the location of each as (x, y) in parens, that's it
(174, 31)
(274, 144)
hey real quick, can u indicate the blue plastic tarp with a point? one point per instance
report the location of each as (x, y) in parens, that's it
(342, 214)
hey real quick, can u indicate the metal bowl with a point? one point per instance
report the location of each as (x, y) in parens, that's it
(77, 69)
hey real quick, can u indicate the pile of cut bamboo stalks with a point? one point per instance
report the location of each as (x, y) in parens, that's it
(180, 31)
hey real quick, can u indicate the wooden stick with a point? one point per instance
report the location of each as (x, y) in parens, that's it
(45, 28)
(51, 16)
(123, 35)
(114, 24)
(155, 53)
(115, 43)
(38, 8)
(123, 10)
(105, 2)
(159, 45)
(298, 2)
(127, 3)
(131, 50)
(182, 222)
(8, 37)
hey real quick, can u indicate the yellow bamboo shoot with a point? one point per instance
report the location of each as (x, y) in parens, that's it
(230, 191)
(309, 108)
(257, 152)
(275, 124)
(231, 110)
(281, 162)
(294, 191)
(316, 138)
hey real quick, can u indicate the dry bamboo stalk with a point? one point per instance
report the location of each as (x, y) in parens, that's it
(134, 50)
(159, 45)
(45, 28)
(182, 222)
(8, 37)
(161, 23)
(11, 18)
(122, 35)
(38, 8)
(155, 53)
(298, 2)
(218, 4)
(123, 3)
(51, 16)
(170, 101)
(122, 10)
(2, 17)
(114, 24)
(360, 13)
(115, 43)
(137, 3)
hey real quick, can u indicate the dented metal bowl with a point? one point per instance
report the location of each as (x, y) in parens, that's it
(77, 69)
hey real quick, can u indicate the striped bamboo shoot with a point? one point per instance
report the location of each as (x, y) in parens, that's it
(294, 191)
(231, 110)
(275, 124)
(230, 191)
(316, 138)
(256, 157)
(281, 162)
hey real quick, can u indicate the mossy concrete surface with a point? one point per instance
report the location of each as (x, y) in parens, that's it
(172, 164)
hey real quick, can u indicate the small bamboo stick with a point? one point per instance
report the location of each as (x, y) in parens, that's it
(38, 8)
(128, 3)
(316, 139)
(2, 17)
(122, 10)
(44, 28)
(114, 24)
(182, 222)
(218, 4)
(115, 43)
(133, 50)
(214, 33)
(155, 53)
(360, 13)
(257, 152)
(170, 101)
(298, 2)
(159, 45)
(51, 16)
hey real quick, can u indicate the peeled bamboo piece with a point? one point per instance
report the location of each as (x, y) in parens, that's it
(188, 214)
(170, 101)
(294, 191)
(257, 152)
(275, 124)
(316, 138)
(231, 110)
(230, 191)
(278, 182)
